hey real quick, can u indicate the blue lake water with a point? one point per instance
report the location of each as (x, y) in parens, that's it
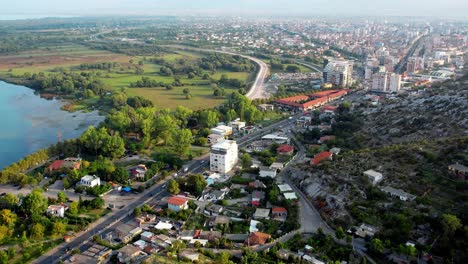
(29, 123)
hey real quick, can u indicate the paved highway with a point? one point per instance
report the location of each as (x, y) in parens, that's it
(257, 90)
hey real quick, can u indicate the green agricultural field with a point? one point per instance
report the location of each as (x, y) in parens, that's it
(69, 56)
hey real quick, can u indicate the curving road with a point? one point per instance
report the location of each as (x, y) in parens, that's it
(257, 90)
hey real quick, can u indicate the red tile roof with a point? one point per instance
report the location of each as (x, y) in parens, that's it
(257, 238)
(315, 99)
(320, 157)
(284, 148)
(56, 165)
(329, 108)
(326, 138)
(176, 200)
(279, 210)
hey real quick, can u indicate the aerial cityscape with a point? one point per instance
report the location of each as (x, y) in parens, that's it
(234, 131)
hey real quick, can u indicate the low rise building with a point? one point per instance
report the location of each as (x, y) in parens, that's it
(279, 213)
(276, 139)
(325, 155)
(459, 171)
(266, 107)
(129, 254)
(373, 176)
(285, 149)
(261, 213)
(237, 125)
(214, 138)
(267, 172)
(257, 238)
(90, 181)
(402, 195)
(57, 210)
(223, 156)
(222, 130)
(177, 203)
(365, 230)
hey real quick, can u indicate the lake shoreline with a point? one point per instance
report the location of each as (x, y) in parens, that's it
(32, 122)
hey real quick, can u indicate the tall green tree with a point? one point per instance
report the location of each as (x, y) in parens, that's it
(58, 229)
(37, 231)
(246, 160)
(208, 118)
(61, 197)
(182, 139)
(34, 204)
(173, 186)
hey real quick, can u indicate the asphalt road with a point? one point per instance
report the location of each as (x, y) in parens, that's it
(257, 90)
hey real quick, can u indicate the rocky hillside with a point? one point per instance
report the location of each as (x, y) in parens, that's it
(438, 112)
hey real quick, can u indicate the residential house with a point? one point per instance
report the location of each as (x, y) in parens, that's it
(284, 188)
(221, 220)
(325, 139)
(257, 238)
(94, 254)
(402, 195)
(261, 213)
(213, 209)
(139, 171)
(266, 107)
(163, 225)
(459, 170)
(140, 244)
(285, 149)
(237, 125)
(290, 196)
(279, 214)
(324, 155)
(129, 254)
(127, 232)
(277, 165)
(57, 210)
(257, 197)
(222, 130)
(177, 203)
(189, 255)
(257, 184)
(267, 172)
(146, 236)
(304, 121)
(373, 176)
(335, 151)
(236, 237)
(214, 138)
(90, 181)
(365, 230)
(186, 235)
(68, 163)
(210, 235)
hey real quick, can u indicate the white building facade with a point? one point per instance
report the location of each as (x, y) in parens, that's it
(223, 156)
(90, 181)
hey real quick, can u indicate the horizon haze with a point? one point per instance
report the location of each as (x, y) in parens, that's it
(34, 9)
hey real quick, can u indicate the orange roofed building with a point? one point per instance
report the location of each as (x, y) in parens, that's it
(325, 155)
(177, 203)
(312, 101)
(257, 238)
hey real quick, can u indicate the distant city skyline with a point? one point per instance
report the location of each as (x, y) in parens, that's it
(32, 8)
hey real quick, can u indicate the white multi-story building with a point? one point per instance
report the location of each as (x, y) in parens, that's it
(223, 156)
(222, 130)
(395, 82)
(386, 82)
(338, 72)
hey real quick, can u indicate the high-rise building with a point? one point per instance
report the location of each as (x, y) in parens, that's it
(379, 81)
(223, 156)
(386, 82)
(338, 72)
(395, 82)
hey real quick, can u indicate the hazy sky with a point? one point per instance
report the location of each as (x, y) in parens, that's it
(233, 7)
